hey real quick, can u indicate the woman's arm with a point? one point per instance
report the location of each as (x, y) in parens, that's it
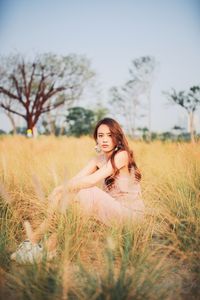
(57, 193)
(90, 168)
(77, 183)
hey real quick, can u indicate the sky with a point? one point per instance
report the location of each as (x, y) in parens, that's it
(111, 33)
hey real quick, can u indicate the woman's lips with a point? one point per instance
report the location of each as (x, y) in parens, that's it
(104, 146)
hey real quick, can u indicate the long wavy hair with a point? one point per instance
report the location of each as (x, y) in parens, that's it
(120, 144)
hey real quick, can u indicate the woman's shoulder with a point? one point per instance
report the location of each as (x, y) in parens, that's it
(122, 155)
(121, 159)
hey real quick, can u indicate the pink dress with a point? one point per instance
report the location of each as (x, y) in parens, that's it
(127, 192)
(121, 202)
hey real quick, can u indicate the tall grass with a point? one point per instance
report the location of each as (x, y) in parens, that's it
(156, 259)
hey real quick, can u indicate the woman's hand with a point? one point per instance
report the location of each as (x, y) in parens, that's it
(56, 191)
(56, 196)
(72, 185)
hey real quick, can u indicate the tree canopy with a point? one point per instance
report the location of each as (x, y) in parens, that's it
(126, 100)
(30, 88)
(80, 121)
(188, 100)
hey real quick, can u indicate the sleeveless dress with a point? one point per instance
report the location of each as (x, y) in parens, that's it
(120, 202)
(127, 191)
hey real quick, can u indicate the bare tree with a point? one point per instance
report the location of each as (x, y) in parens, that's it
(127, 99)
(143, 72)
(41, 85)
(10, 116)
(190, 101)
(125, 103)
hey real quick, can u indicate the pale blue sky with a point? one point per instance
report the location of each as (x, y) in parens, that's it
(111, 34)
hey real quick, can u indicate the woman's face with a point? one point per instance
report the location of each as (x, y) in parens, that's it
(104, 138)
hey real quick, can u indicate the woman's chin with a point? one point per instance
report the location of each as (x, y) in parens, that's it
(106, 150)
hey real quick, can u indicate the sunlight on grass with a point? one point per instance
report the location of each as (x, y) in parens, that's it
(156, 259)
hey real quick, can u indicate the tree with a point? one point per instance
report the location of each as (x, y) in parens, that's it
(57, 124)
(53, 124)
(80, 121)
(2, 132)
(143, 71)
(19, 130)
(127, 99)
(144, 131)
(7, 102)
(41, 85)
(100, 112)
(189, 101)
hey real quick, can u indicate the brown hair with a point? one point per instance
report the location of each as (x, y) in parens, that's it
(120, 143)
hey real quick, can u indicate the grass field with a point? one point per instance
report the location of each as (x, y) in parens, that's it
(157, 259)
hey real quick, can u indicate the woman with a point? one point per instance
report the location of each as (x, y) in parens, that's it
(120, 198)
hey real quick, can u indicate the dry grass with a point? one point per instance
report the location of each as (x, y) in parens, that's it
(158, 259)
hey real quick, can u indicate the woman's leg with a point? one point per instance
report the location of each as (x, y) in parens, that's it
(57, 200)
(30, 250)
(99, 204)
(93, 201)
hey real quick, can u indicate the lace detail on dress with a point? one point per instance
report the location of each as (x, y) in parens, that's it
(126, 190)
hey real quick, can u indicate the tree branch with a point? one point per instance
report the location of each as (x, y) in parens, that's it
(52, 106)
(7, 93)
(51, 93)
(31, 79)
(40, 91)
(18, 90)
(23, 72)
(12, 111)
(46, 97)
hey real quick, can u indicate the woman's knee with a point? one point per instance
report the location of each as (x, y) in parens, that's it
(86, 198)
(85, 194)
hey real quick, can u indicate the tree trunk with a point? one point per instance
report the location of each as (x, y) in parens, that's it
(149, 116)
(30, 125)
(11, 118)
(62, 128)
(52, 124)
(191, 126)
